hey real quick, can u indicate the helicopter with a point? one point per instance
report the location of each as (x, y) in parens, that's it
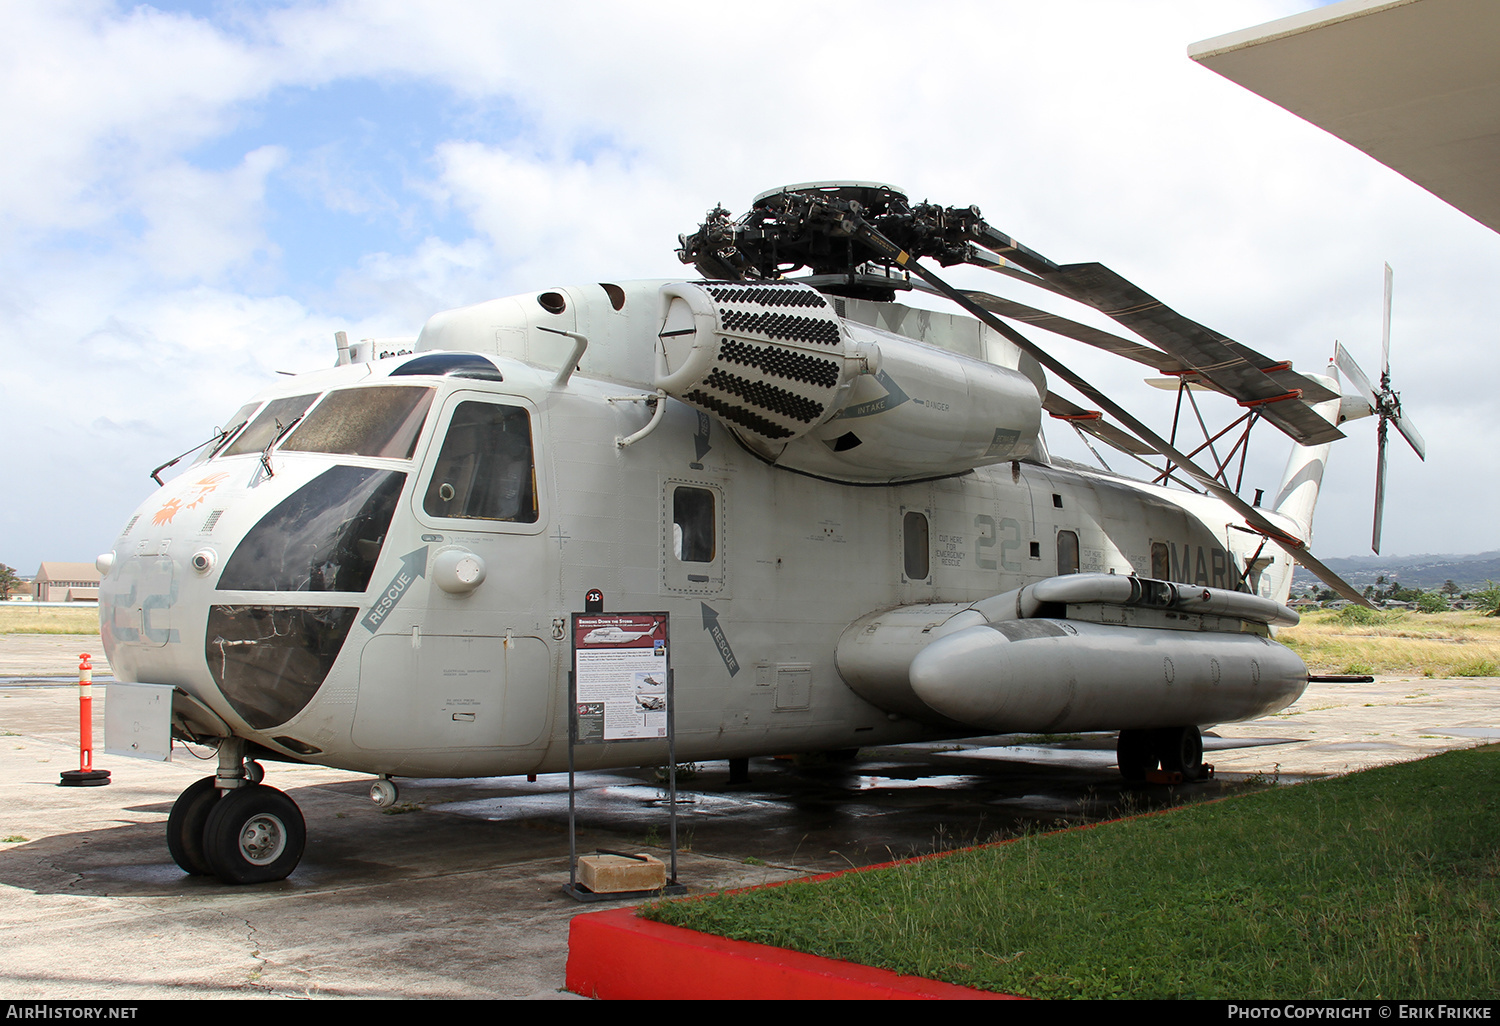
(847, 502)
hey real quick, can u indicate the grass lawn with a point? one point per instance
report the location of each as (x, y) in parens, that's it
(1357, 640)
(22, 618)
(1382, 884)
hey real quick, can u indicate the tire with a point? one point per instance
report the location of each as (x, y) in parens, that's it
(1135, 754)
(186, 825)
(255, 834)
(1181, 751)
(384, 793)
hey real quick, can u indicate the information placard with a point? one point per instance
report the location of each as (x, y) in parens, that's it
(620, 676)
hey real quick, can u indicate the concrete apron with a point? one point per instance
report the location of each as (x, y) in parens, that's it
(458, 894)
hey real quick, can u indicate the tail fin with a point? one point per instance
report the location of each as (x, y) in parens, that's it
(1298, 494)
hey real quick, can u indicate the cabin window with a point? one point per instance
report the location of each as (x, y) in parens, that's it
(693, 536)
(485, 470)
(1161, 561)
(915, 545)
(383, 422)
(1067, 552)
(273, 422)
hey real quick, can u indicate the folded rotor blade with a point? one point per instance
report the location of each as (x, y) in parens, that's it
(1235, 369)
(990, 262)
(1326, 575)
(1093, 422)
(1153, 358)
(1254, 517)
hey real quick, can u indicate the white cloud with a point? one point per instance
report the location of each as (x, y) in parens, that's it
(91, 97)
(581, 139)
(200, 223)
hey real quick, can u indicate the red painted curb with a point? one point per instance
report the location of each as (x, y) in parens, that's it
(617, 956)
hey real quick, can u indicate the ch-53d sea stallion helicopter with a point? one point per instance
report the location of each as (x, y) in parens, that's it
(847, 503)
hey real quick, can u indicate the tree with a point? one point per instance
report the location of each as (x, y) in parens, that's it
(1488, 598)
(9, 580)
(1432, 602)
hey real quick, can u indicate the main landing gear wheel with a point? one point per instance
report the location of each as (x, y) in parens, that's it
(1174, 749)
(255, 834)
(186, 823)
(1135, 753)
(1181, 750)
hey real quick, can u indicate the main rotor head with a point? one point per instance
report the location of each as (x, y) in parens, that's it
(811, 227)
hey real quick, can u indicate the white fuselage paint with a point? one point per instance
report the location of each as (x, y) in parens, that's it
(432, 682)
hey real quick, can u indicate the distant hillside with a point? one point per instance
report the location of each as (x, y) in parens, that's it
(1425, 571)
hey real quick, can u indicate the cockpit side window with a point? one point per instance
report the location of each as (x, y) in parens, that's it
(383, 422)
(485, 470)
(278, 415)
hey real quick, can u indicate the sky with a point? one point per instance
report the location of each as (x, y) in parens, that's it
(195, 196)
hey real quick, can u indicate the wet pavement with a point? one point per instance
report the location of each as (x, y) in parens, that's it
(455, 892)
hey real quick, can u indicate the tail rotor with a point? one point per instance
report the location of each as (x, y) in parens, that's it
(1385, 404)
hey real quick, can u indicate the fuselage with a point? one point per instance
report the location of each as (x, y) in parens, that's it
(377, 570)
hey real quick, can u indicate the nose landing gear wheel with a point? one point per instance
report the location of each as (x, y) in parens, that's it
(384, 793)
(255, 834)
(185, 826)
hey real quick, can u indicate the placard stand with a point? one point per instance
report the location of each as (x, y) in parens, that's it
(620, 689)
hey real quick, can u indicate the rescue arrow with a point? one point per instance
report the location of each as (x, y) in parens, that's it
(711, 624)
(413, 565)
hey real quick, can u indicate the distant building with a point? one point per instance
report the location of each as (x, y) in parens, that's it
(66, 582)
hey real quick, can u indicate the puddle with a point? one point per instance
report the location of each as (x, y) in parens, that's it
(873, 783)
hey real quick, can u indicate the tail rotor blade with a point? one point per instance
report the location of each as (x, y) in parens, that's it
(1379, 487)
(1385, 333)
(1411, 434)
(1354, 375)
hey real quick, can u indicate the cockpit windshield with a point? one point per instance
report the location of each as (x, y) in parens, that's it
(383, 421)
(240, 418)
(278, 415)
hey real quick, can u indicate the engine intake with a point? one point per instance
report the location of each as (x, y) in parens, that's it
(811, 391)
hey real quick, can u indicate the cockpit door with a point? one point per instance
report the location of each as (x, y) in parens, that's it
(481, 472)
